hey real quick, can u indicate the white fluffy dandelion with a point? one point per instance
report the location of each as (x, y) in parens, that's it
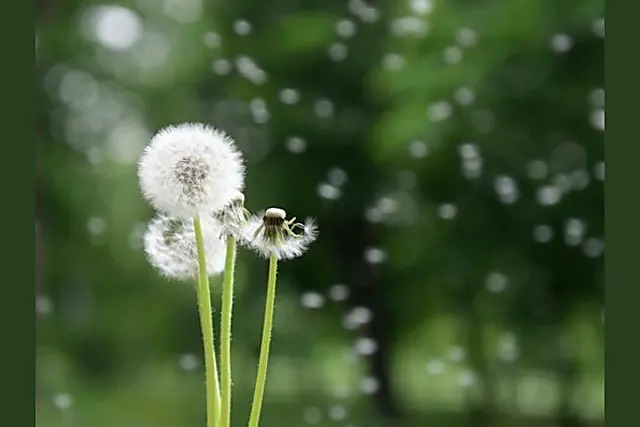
(274, 234)
(170, 245)
(190, 169)
(233, 217)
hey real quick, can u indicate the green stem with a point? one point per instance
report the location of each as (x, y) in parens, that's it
(206, 321)
(261, 378)
(225, 343)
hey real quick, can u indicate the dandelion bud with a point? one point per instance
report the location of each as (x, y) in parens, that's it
(170, 245)
(190, 169)
(274, 234)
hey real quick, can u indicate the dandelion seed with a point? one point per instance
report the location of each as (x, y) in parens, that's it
(439, 111)
(435, 367)
(62, 401)
(190, 169)
(464, 96)
(296, 145)
(537, 169)
(447, 211)
(338, 292)
(242, 27)
(370, 385)
(323, 108)
(452, 55)
(596, 98)
(365, 346)
(418, 149)
(312, 300)
(338, 413)
(579, 179)
(289, 96)
(312, 415)
(593, 247)
(274, 234)
(598, 171)
(497, 282)
(561, 43)
(456, 353)
(43, 305)
(466, 37)
(598, 27)
(548, 195)
(96, 225)
(188, 362)
(328, 191)
(345, 28)
(409, 26)
(466, 378)
(574, 230)
(421, 7)
(259, 110)
(221, 67)
(506, 188)
(508, 349)
(597, 119)
(375, 255)
(357, 317)
(542, 233)
(170, 246)
(337, 177)
(211, 39)
(393, 62)
(250, 70)
(338, 52)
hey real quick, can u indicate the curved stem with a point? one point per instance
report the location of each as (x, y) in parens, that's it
(225, 330)
(206, 321)
(261, 378)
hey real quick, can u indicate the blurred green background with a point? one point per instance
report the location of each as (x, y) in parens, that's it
(452, 152)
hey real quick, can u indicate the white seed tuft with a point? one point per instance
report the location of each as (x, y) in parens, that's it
(190, 169)
(170, 245)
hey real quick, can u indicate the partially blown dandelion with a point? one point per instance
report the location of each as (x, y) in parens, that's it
(274, 234)
(170, 246)
(276, 238)
(190, 169)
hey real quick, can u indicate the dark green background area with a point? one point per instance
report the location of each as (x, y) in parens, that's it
(476, 321)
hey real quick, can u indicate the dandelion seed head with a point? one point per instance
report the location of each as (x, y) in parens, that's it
(170, 246)
(190, 169)
(274, 234)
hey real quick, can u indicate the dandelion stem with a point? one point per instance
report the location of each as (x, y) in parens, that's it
(206, 321)
(225, 343)
(261, 377)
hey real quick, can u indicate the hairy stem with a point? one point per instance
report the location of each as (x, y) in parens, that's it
(261, 377)
(206, 321)
(225, 343)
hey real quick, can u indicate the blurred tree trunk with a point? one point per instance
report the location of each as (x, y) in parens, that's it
(354, 237)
